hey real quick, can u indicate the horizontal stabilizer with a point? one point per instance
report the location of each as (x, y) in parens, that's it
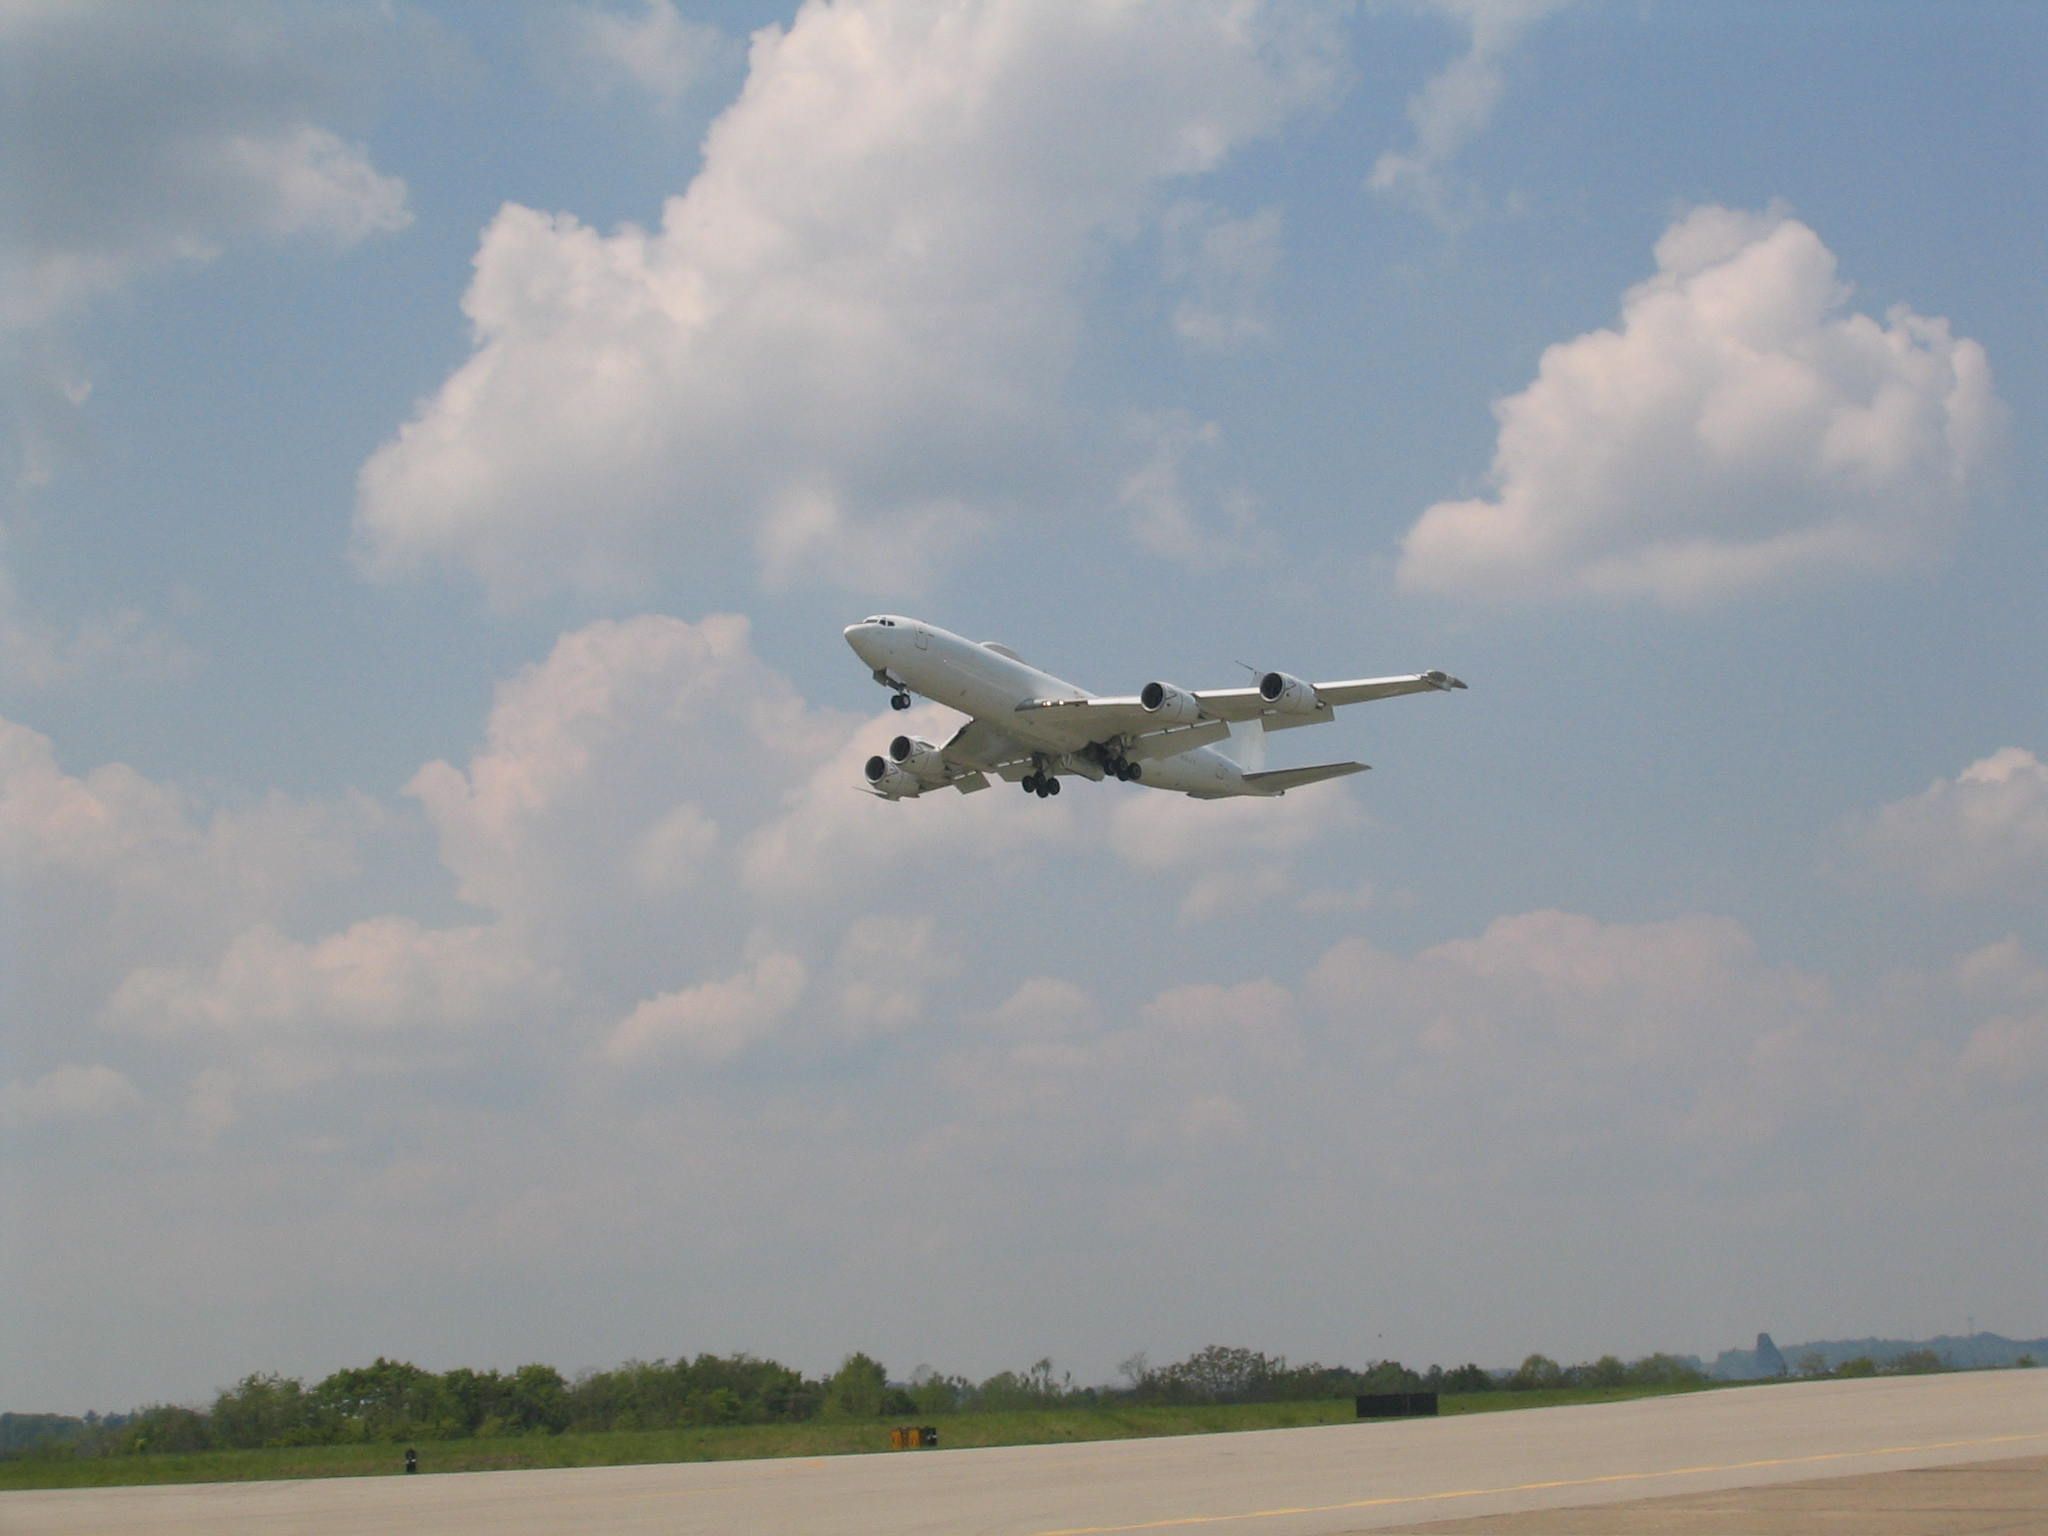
(1278, 780)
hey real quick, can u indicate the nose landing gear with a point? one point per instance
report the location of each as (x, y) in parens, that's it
(899, 696)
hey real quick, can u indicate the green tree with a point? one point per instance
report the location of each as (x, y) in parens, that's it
(263, 1410)
(539, 1400)
(1469, 1378)
(166, 1429)
(1607, 1371)
(385, 1400)
(855, 1389)
(1662, 1370)
(1536, 1373)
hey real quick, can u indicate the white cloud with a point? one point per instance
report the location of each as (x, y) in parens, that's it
(714, 1020)
(1224, 268)
(1984, 832)
(380, 977)
(1166, 517)
(1738, 430)
(1233, 857)
(1045, 1007)
(880, 977)
(656, 49)
(143, 138)
(149, 137)
(616, 754)
(1454, 107)
(64, 1095)
(137, 848)
(2009, 1050)
(36, 654)
(312, 183)
(845, 329)
(827, 840)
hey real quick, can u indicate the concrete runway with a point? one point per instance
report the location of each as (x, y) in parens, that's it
(1982, 1498)
(1293, 1482)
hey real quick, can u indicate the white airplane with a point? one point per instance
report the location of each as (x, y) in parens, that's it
(1030, 727)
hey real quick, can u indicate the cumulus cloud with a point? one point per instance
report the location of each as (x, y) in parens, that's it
(37, 654)
(825, 841)
(1045, 1007)
(67, 1094)
(1740, 428)
(382, 976)
(1454, 107)
(1984, 832)
(142, 138)
(1223, 268)
(138, 854)
(139, 139)
(617, 753)
(654, 49)
(714, 1020)
(885, 965)
(838, 340)
(2009, 1050)
(1206, 528)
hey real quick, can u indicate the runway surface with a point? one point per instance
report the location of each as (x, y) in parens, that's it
(1294, 1482)
(1983, 1498)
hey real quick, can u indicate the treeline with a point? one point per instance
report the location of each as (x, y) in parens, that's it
(1913, 1362)
(393, 1401)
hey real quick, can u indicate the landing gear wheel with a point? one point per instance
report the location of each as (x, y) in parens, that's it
(899, 701)
(1137, 772)
(1030, 783)
(1052, 786)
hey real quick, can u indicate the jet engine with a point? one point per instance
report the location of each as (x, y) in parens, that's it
(918, 758)
(1289, 695)
(889, 781)
(1173, 706)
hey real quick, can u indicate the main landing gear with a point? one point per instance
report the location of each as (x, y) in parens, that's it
(1040, 784)
(1115, 764)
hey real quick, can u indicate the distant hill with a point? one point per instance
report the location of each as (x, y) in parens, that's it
(1975, 1351)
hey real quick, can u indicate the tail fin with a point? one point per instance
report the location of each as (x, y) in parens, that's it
(1279, 780)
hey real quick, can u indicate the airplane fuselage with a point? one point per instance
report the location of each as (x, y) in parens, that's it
(989, 685)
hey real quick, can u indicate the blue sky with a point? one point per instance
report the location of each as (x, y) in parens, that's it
(444, 443)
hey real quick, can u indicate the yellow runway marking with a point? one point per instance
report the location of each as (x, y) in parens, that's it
(1179, 1521)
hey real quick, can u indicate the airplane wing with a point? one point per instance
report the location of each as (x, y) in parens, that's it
(982, 747)
(1127, 716)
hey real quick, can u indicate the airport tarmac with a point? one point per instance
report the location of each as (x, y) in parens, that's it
(1295, 1482)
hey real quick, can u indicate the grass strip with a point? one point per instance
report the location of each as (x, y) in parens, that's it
(739, 1442)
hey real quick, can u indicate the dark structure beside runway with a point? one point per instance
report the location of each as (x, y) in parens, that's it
(1396, 1405)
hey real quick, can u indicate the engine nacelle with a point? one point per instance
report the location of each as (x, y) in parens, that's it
(1173, 706)
(1286, 695)
(889, 781)
(918, 758)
